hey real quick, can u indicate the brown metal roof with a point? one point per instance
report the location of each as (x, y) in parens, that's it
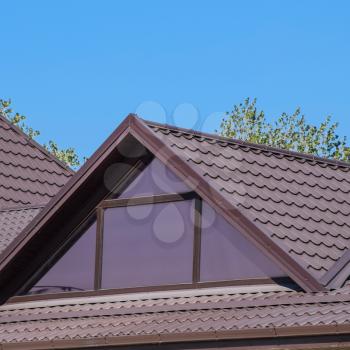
(292, 206)
(12, 223)
(231, 312)
(299, 201)
(29, 178)
(295, 205)
(29, 175)
(250, 185)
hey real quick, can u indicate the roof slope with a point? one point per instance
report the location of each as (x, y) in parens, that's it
(235, 312)
(301, 202)
(29, 175)
(12, 223)
(294, 207)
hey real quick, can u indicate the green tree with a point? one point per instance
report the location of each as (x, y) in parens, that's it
(288, 131)
(68, 155)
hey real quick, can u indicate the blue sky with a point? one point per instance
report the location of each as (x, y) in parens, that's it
(77, 68)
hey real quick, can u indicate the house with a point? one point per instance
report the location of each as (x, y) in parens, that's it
(173, 239)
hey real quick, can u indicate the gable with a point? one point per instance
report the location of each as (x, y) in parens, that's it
(153, 243)
(155, 179)
(79, 197)
(233, 315)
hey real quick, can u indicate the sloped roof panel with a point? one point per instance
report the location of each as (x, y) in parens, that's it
(12, 223)
(298, 218)
(301, 202)
(166, 313)
(29, 175)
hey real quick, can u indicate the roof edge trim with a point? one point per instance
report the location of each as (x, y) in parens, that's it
(338, 273)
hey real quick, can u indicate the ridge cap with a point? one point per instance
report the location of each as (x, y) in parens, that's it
(242, 143)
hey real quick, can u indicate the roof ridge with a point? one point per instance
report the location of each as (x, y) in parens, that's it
(35, 144)
(238, 142)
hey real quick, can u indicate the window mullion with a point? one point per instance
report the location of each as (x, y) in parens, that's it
(99, 248)
(197, 239)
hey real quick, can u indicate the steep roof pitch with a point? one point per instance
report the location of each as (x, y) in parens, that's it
(29, 175)
(251, 186)
(239, 178)
(299, 201)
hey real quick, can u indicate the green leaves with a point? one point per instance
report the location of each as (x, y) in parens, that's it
(290, 132)
(244, 122)
(68, 156)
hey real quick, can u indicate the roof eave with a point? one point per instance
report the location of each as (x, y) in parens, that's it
(323, 336)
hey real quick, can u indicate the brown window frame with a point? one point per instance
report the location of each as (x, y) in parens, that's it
(154, 199)
(135, 201)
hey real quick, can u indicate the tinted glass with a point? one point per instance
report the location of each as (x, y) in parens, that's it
(75, 270)
(156, 178)
(148, 245)
(228, 255)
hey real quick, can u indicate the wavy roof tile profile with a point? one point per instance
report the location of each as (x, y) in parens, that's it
(301, 202)
(29, 178)
(29, 175)
(161, 317)
(12, 223)
(295, 207)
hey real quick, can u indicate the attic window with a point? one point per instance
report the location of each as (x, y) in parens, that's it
(148, 245)
(74, 271)
(165, 237)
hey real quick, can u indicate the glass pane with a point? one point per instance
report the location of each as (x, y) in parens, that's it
(75, 270)
(228, 255)
(155, 179)
(148, 245)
